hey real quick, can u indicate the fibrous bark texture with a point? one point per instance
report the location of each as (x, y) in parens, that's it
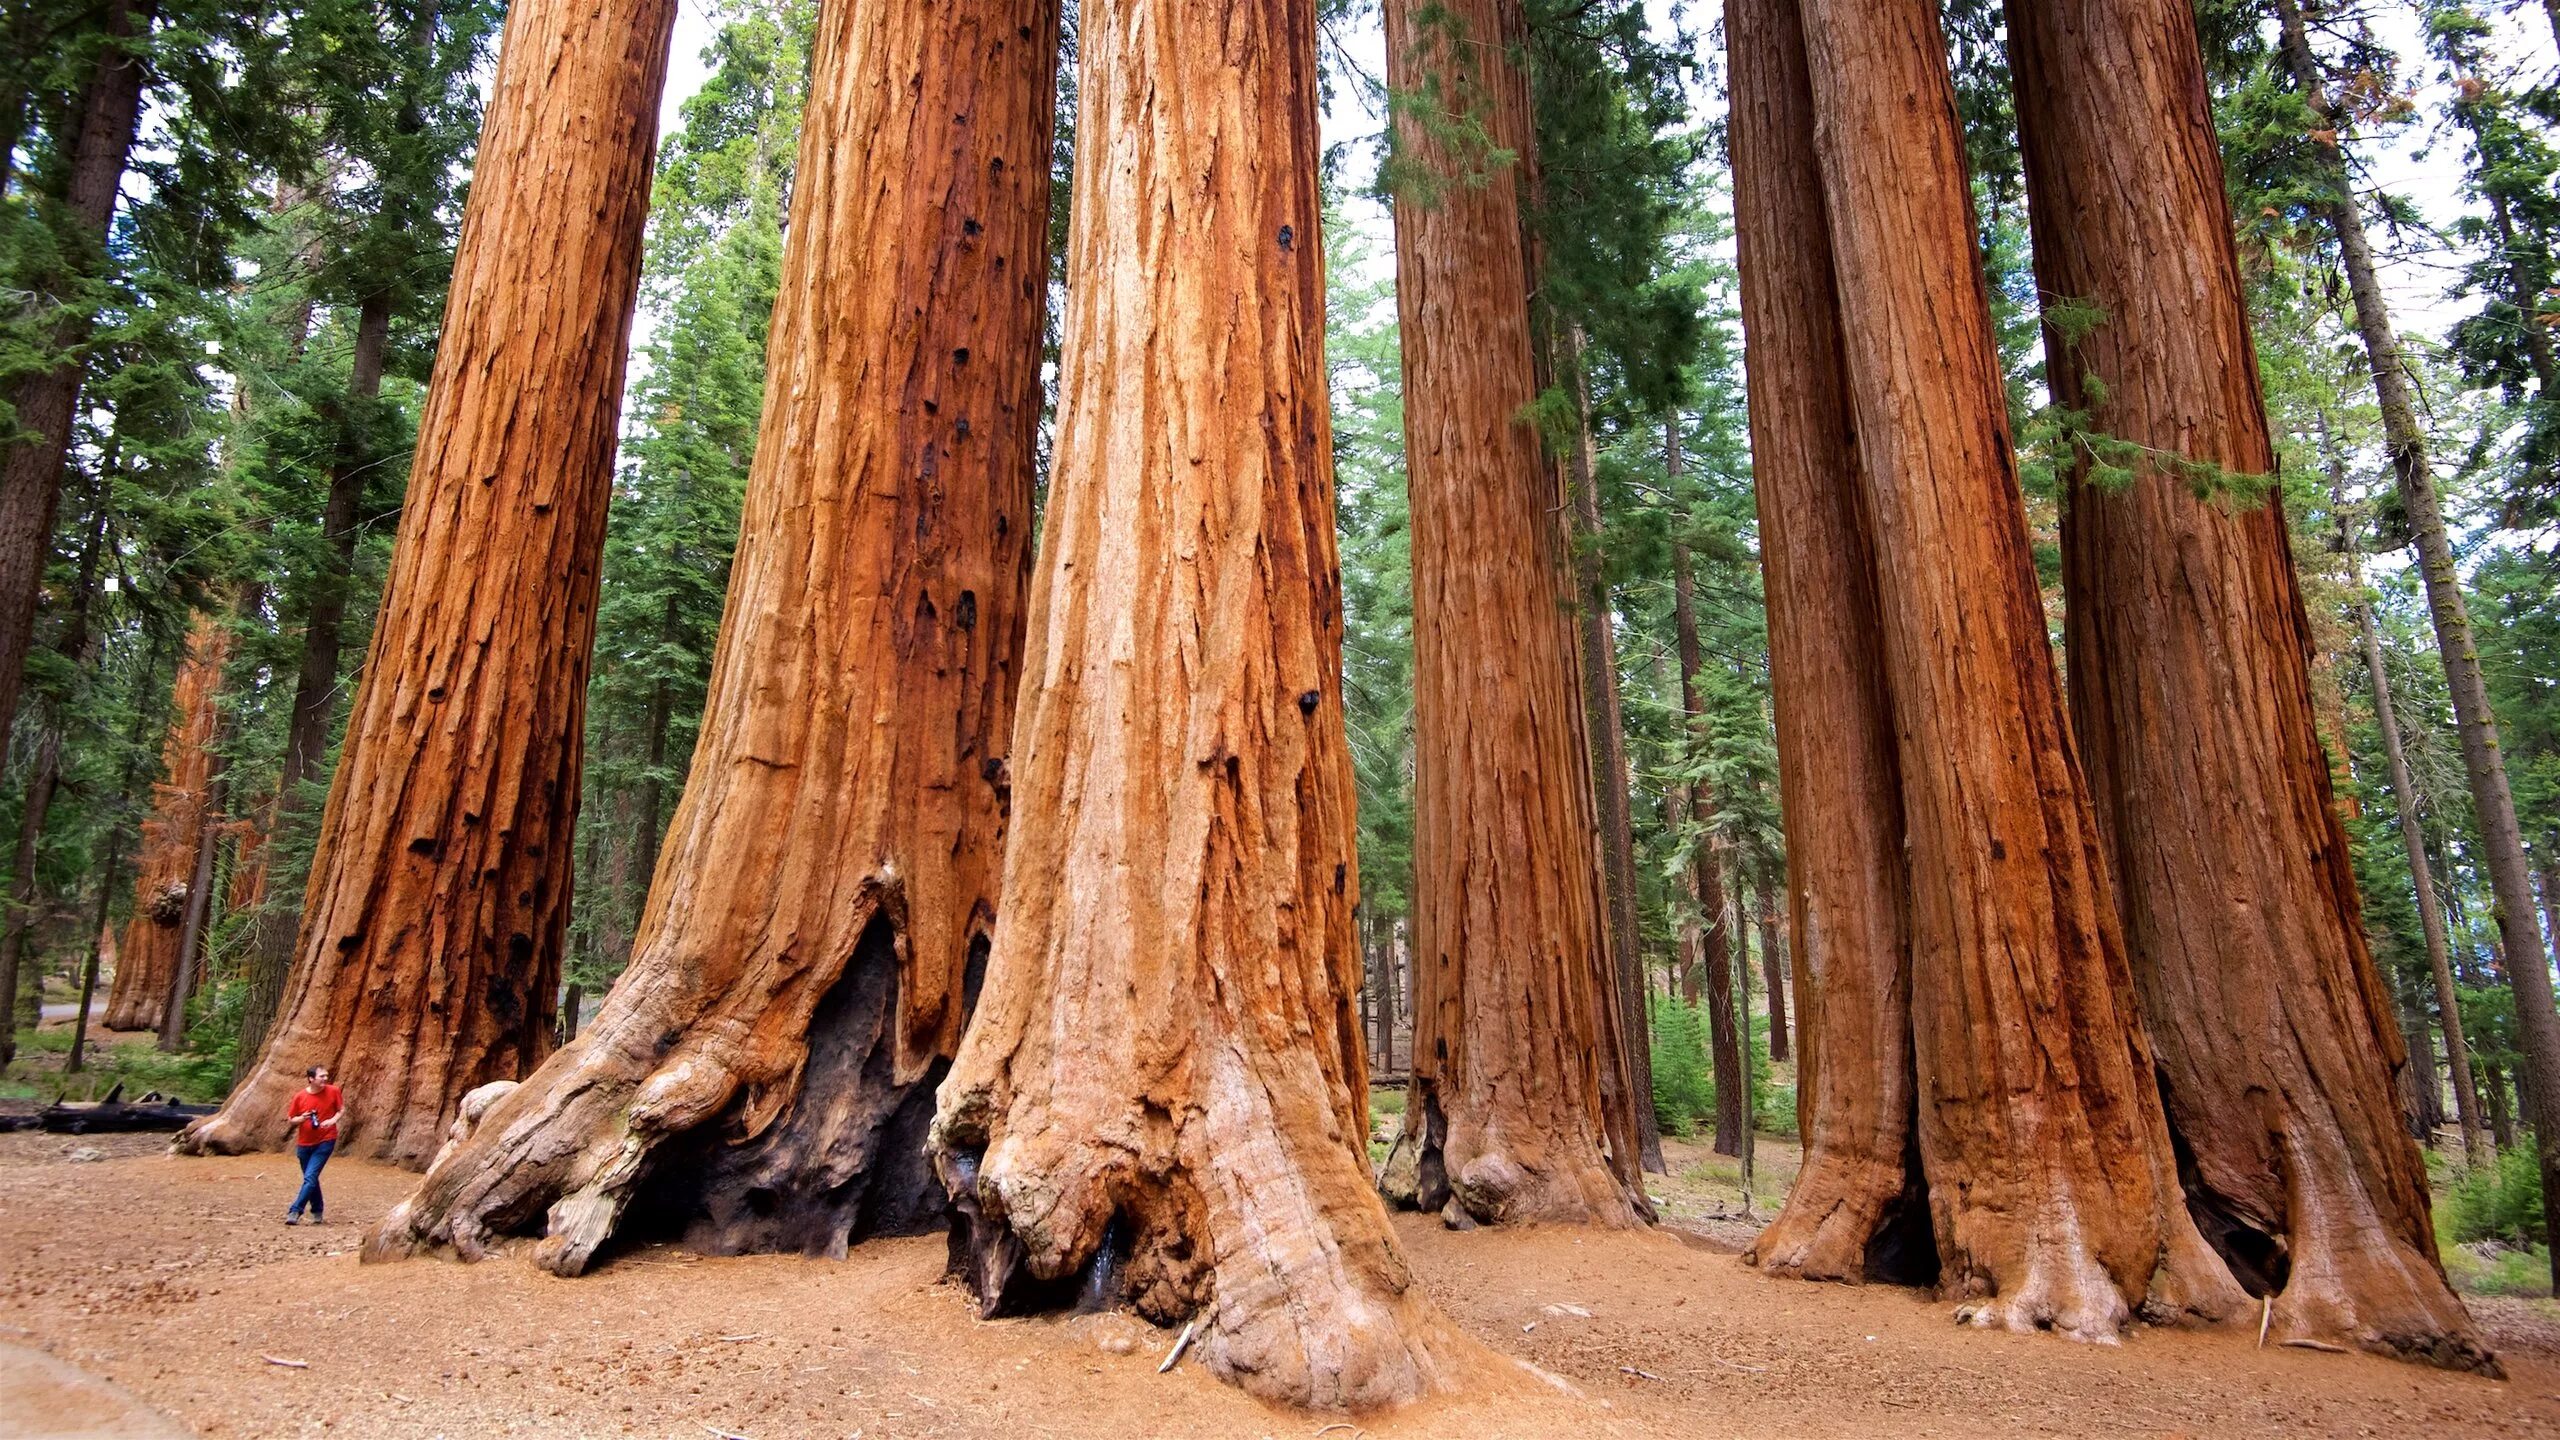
(2051, 1178)
(1515, 1001)
(761, 1076)
(147, 958)
(439, 892)
(2191, 696)
(1162, 1097)
(1839, 785)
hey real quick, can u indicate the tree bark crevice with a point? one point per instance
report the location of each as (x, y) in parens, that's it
(429, 955)
(1166, 1069)
(810, 948)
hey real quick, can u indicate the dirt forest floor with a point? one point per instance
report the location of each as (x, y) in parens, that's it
(174, 1280)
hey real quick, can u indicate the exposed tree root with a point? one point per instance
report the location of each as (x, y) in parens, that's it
(643, 1128)
(1213, 1208)
(1502, 1179)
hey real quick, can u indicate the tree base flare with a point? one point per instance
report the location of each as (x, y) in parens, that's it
(638, 1131)
(1493, 1184)
(1284, 1262)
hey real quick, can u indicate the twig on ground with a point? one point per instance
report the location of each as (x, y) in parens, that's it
(288, 1364)
(2265, 1316)
(2323, 1346)
(723, 1434)
(734, 1339)
(1179, 1346)
(1639, 1374)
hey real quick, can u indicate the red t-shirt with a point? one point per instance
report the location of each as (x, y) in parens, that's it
(310, 1109)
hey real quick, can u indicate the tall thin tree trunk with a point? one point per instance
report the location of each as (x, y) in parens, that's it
(2424, 1094)
(2483, 762)
(43, 773)
(2051, 1175)
(130, 772)
(2190, 652)
(315, 683)
(1163, 1097)
(2413, 840)
(199, 912)
(43, 402)
(1773, 967)
(2493, 1094)
(1716, 920)
(1608, 743)
(429, 957)
(1516, 1012)
(763, 1073)
(1858, 1199)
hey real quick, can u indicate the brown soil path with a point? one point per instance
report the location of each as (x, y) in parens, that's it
(174, 1279)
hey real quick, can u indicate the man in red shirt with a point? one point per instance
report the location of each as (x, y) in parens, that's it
(313, 1118)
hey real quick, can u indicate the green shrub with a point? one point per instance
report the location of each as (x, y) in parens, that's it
(1683, 1092)
(2522, 1273)
(2500, 1202)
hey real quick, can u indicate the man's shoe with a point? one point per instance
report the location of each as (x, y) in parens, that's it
(292, 1219)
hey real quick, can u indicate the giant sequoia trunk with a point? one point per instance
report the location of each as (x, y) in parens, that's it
(41, 402)
(2483, 760)
(148, 957)
(761, 1076)
(1516, 1021)
(2191, 699)
(1163, 1098)
(1839, 788)
(2051, 1178)
(439, 891)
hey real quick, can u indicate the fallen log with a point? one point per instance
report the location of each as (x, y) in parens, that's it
(115, 1114)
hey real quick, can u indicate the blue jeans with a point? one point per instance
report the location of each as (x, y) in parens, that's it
(312, 1157)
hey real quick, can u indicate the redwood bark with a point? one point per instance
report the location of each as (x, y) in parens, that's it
(42, 402)
(147, 959)
(432, 924)
(2191, 699)
(1163, 1098)
(1839, 785)
(2483, 760)
(1515, 1002)
(761, 1076)
(2051, 1176)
